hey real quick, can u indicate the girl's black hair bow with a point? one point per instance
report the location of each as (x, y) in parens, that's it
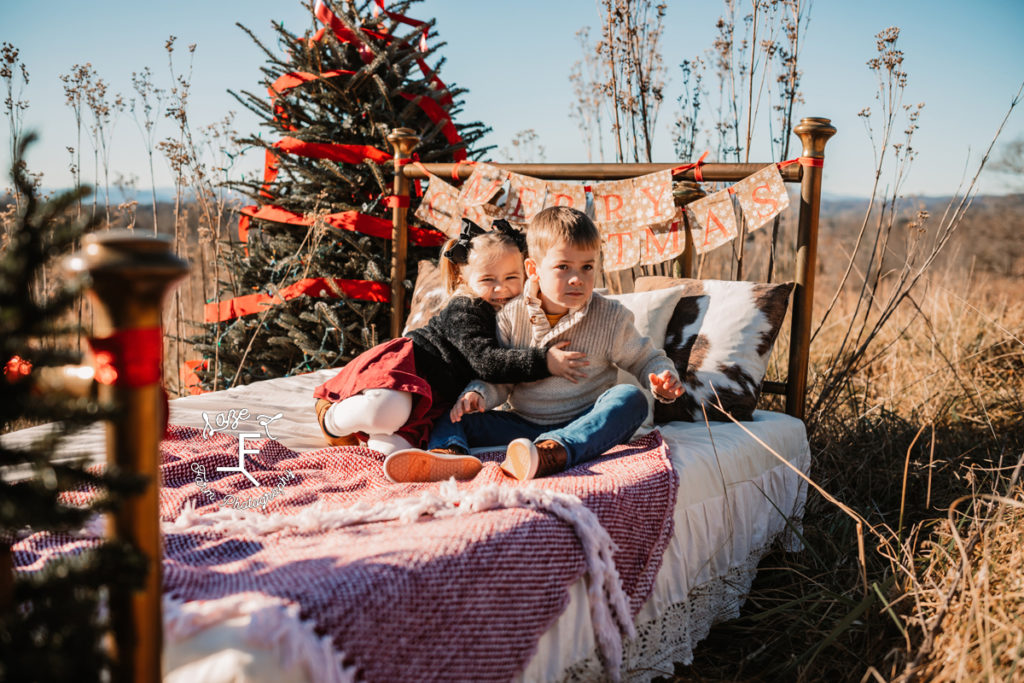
(459, 252)
(504, 227)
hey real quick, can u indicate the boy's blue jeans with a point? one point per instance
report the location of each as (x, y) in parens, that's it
(612, 419)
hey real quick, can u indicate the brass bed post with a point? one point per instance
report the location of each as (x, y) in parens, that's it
(130, 277)
(814, 133)
(404, 141)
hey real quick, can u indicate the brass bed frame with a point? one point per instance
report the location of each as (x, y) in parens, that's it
(131, 276)
(814, 132)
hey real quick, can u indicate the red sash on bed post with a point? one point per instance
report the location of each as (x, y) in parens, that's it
(131, 276)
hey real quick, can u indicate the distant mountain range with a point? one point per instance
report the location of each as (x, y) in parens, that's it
(834, 201)
(141, 195)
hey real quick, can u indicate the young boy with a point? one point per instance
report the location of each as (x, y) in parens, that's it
(556, 423)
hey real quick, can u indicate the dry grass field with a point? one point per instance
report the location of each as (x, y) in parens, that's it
(911, 569)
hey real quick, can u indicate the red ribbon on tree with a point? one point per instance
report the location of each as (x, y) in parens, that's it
(363, 290)
(341, 153)
(342, 32)
(352, 154)
(346, 220)
(345, 154)
(287, 81)
(344, 35)
(437, 114)
(189, 377)
(402, 19)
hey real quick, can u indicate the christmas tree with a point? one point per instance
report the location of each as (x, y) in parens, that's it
(308, 286)
(52, 627)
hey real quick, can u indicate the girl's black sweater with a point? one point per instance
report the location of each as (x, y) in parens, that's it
(460, 344)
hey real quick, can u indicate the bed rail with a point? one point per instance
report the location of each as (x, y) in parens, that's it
(814, 133)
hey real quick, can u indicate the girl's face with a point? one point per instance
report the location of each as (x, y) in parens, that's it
(494, 275)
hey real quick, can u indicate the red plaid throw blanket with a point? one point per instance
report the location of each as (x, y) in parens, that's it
(461, 593)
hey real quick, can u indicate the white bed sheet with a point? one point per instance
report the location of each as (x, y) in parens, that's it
(735, 498)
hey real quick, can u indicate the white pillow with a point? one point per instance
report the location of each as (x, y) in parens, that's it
(651, 313)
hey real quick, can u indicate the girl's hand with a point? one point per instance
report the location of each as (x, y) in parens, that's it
(470, 402)
(566, 364)
(666, 385)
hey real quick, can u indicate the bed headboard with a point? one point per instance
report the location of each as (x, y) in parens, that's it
(813, 132)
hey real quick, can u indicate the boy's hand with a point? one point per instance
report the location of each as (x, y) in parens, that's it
(567, 364)
(666, 385)
(469, 402)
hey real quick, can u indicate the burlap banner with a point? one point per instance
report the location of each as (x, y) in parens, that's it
(637, 217)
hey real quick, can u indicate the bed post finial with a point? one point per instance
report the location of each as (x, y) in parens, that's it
(814, 132)
(130, 276)
(403, 141)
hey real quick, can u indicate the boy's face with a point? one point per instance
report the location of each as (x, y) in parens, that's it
(566, 276)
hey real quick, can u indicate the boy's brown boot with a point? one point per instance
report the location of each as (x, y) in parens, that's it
(553, 458)
(526, 460)
(322, 404)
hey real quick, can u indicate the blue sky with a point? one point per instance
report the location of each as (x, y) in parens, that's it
(964, 61)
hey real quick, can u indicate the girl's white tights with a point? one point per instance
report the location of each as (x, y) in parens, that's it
(378, 413)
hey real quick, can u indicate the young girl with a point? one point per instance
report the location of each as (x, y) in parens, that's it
(390, 395)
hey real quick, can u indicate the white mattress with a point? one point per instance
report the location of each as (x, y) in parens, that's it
(734, 500)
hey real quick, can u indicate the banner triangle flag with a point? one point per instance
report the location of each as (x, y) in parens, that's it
(525, 198)
(440, 207)
(482, 184)
(762, 196)
(712, 221)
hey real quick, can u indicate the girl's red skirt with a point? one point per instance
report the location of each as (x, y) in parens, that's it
(390, 365)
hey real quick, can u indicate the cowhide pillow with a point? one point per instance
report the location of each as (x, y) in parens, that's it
(428, 297)
(720, 337)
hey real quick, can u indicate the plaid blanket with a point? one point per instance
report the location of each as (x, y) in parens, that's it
(442, 597)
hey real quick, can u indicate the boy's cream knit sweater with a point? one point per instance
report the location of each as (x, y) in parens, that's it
(602, 328)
